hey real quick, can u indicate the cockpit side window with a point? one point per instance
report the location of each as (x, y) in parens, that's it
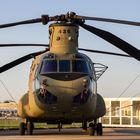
(80, 66)
(49, 66)
(64, 65)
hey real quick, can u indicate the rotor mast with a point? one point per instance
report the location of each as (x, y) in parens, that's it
(63, 38)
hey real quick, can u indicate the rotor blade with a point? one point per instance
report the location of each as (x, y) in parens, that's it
(109, 37)
(19, 61)
(31, 21)
(109, 20)
(15, 45)
(103, 52)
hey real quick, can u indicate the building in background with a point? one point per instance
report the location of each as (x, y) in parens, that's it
(8, 109)
(122, 112)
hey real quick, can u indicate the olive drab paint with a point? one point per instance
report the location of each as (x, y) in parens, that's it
(71, 95)
(63, 38)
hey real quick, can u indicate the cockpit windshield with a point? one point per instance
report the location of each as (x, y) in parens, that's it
(49, 66)
(80, 66)
(64, 66)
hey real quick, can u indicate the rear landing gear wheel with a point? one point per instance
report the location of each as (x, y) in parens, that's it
(30, 128)
(22, 128)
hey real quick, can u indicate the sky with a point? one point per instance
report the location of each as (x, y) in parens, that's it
(121, 72)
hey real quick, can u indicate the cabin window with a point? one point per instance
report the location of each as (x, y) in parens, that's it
(64, 65)
(80, 66)
(49, 66)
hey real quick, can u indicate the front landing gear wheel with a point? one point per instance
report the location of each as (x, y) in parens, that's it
(84, 125)
(30, 128)
(22, 128)
(91, 129)
(59, 126)
(99, 129)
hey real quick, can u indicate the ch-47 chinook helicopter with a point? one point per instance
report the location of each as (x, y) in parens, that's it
(63, 81)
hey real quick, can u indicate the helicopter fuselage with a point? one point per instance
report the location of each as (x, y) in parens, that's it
(61, 88)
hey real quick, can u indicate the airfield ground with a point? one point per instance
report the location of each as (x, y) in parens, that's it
(73, 134)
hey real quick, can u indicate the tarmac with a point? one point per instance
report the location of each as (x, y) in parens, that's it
(73, 134)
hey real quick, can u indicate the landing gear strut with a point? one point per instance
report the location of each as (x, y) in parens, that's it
(95, 127)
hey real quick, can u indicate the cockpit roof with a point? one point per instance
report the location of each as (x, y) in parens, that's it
(49, 55)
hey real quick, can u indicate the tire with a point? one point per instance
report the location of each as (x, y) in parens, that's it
(99, 129)
(84, 126)
(22, 128)
(59, 126)
(91, 129)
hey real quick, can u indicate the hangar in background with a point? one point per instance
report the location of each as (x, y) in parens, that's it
(122, 112)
